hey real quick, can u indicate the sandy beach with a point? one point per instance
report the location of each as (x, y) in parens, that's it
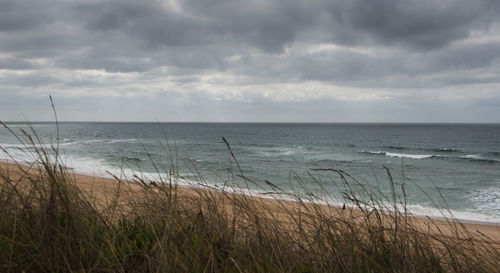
(102, 190)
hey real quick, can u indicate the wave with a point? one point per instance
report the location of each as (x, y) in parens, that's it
(9, 147)
(128, 140)
(494, 153)
(489, 216)
(397, 147)
(65, 142)
(443, 149)
(462, 215)
(470, 157)
(478, 158)
(487, 199)
(107, 141)
(448, 150)
(131, 159)
(99, 167)
(69, 141)
(408, 156)
(279, 151)
(398, 155)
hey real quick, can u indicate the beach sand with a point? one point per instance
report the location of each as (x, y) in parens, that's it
(102, 190)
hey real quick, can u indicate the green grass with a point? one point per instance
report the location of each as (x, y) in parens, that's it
(48, 224)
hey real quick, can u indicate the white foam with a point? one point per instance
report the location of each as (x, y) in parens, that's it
(472, 156)
(398, 155)
(16, 154)
(479, 158)
(412, 156)
(415, 210)
(487, 200)
(449, 150)
(462, 215)
(66, 142)
(8, 145)
(89, 141)
(128, 140)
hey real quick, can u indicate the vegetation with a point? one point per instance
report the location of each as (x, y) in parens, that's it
(49, 223)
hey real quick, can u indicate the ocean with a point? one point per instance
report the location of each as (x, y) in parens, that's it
(455, 166)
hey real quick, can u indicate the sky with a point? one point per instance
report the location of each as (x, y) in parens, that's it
(251, 60)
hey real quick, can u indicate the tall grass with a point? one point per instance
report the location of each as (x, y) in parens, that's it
(50, 223)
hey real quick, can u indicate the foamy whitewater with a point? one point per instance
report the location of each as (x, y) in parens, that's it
(459, 162)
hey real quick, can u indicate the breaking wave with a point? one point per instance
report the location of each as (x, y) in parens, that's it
(398, 155)
(443, 149)
(470, 157)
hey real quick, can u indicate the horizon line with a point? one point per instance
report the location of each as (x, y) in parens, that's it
(268, 122)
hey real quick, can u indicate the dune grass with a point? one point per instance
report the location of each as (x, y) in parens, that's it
(49, 224)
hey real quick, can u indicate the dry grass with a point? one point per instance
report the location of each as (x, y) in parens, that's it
(48, 224)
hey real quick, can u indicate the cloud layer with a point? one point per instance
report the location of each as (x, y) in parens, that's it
(240, 60)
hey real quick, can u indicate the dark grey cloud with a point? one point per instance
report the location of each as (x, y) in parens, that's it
(25, 15)
(148, 21)
(15, 64)
(253, 51)
(424, 24)
(467, 56)
(269, 25)
(182, 37)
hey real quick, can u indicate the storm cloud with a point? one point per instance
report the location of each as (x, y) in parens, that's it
(240, 60)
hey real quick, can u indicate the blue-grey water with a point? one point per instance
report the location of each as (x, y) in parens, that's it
(459, 162)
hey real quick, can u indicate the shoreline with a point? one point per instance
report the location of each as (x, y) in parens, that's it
(101, 188)
(187, 184)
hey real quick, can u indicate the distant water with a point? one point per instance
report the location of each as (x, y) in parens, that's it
(461, 161)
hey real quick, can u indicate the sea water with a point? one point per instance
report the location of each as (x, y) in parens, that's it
(455, 166)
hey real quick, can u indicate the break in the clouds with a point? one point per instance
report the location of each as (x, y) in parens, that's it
(259, 60)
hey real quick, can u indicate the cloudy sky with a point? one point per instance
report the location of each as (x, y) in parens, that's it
(251, 60)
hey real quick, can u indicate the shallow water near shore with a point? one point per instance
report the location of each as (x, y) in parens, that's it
(459, 162)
